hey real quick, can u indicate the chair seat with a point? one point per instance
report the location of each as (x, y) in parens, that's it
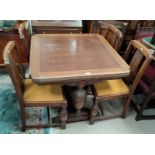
(111, 88)
(43, 93)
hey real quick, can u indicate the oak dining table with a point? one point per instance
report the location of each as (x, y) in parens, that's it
(74, 61)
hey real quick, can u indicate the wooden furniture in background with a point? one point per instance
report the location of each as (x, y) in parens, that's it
(75, 60)
(133, 25)
(138, 57)
(19, 34)
(30, 94)
(130, 32)
(56, 26)
(122, 26)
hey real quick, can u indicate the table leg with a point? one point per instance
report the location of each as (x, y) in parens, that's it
(76, 98)
(79, 99)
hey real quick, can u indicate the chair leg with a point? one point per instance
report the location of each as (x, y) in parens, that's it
(49, 115)
(126, 107)
(94, 111)
(137, 118)
(23, 119)
(63, 117)
(140, 112)
(63, 125)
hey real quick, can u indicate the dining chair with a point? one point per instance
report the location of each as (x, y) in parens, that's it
(146, 84)
(30, 94)
(147, 88)
(110, 32)
(95, 27)
(138, 57)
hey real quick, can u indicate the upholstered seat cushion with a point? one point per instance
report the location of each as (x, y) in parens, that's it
(37, 93)
(111, 88)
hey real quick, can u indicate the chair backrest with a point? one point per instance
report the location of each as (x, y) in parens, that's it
(138, 57)
(95, 27)
(112, 34)
(121, 25)
(10, 56)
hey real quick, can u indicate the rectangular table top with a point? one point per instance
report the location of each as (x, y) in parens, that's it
(57, 58)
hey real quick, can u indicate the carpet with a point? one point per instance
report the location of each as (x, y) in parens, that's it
(10, 122)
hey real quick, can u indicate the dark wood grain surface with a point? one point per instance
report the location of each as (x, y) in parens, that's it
(56, 26)
(74, 57)
(57, 23)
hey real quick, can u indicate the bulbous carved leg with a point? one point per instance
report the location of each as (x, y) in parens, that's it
(93, 114)
(63, 118)
(79, 99)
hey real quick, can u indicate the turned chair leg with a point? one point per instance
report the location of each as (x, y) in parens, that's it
(63, 117)
(94, 112)
(49, 116)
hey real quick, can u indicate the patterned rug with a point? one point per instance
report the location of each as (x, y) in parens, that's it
(9, 110)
